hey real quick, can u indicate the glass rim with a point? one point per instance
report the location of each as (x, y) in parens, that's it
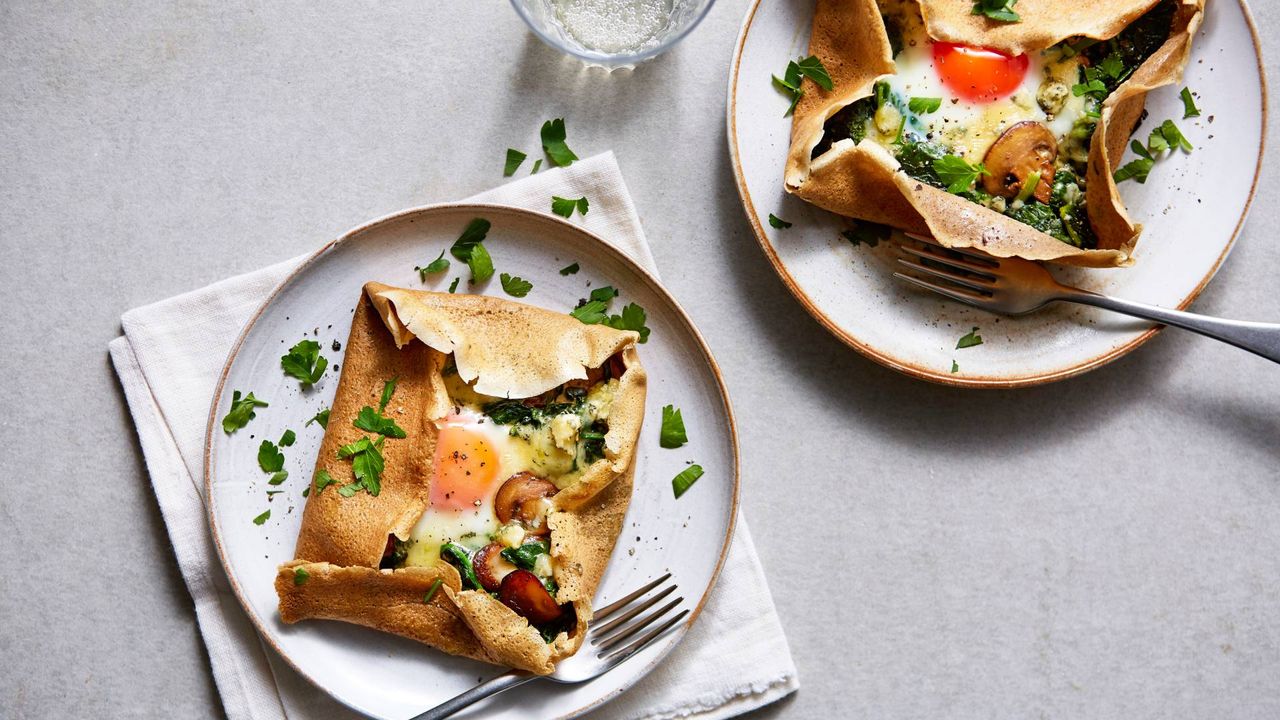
(613, 60)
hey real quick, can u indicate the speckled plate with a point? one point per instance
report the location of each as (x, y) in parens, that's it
(390, 677)
(1193, 207)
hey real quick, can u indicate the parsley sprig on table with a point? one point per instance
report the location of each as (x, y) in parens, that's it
(553, 143)
(564, 207)
(514, 158)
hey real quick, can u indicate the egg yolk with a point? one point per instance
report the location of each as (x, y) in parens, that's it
(977, 74)
(465, 466)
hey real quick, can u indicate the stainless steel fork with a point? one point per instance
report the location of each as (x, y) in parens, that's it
(611, 639)
(1011, 286)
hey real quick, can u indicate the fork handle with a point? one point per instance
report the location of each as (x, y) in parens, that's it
(505, 681)
(1256, 337)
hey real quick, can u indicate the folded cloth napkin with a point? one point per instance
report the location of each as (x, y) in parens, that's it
(733, 660)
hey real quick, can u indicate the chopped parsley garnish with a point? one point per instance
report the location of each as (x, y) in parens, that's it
(564, 207)
(591, 312)
(371, 420)
(525, 556)
(323, 480)
(388, 391)
(515, 286)
(971, 339)
(1189, 109)
(241, 412)
(957, 174)
(321, 417)
(305, 362)
(431, 591)
(594, 311)
(438, 265)
(457, 556)
(955, 367)
(553, 136)
(366, 463)
(672, 434)
(472, 236)
(569, 269)
(681, 483)
(278, 477)
(778, 222)
(480, 263)
(453, 286)
(300, 576)
(270, 459)
(924, 105)
(998, 10)
(790, 82)
(288, 438)
(1165, 136)
(865, 232)
(514, 158)
(537, 165)
(263, 517)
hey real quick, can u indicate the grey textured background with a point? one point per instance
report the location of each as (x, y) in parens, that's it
(1105, 546)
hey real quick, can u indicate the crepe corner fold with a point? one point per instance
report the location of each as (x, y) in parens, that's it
(505, 349)
(864, 181)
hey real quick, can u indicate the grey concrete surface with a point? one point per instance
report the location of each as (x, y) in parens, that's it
(1102, 547)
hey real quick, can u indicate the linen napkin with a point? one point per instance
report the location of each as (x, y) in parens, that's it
(734, 659)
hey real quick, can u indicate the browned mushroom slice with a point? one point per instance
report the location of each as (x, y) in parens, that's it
(594, 375)
(491, 567)
(1025, 148)
(521, 498)
(523, 592)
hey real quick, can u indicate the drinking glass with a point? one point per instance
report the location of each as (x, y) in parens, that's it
(612, 33)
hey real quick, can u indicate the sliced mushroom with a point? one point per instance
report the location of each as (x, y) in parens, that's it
(523, 592)
(491, 568)
(594, 375)
(1025, 148)
(521, 497)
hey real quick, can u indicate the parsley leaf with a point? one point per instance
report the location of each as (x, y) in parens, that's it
(480, 263)
(431, 591)
(972, 339)
(1172, 136)
(262, 518)
(472, 236)
(564, 207)
(371, 420)
(1091, 87)
(537, 165)
(591, 312)
(924, 105)
(321, 417)
(525, 556)
(514, 158)
(604, 293)
(305, 362)
(323, 480)
(453, 286)
(1112, 65)
(778, 222)
(438, 265)
(1137, 169)
(553, 136)
(672, 434)
(270, 459)
(288, 438)
(955, 367)
(278, 477)
(569, 269)
(1189, 109)
(300, 576)
(681, 483)
(999, 10)
(388, 390)
(366, 463)
(957, 174)
(515, 286)
(241, 412)
(632, 318)
(812, 68)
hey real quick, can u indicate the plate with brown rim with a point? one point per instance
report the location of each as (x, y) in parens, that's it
(386, 676)
(1193, 207)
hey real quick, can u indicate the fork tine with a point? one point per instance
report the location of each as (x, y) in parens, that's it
(958, 263)
(637, 626)
(963, 296)
(972, 283)
(928, 240)
(613, 607)
(648, 638)
(605, 629)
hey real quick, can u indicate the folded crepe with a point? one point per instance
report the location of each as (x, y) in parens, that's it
(862, 180)
(499, 349)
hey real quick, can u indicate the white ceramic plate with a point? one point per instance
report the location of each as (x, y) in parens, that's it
(390, 677)
(1193, 206)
